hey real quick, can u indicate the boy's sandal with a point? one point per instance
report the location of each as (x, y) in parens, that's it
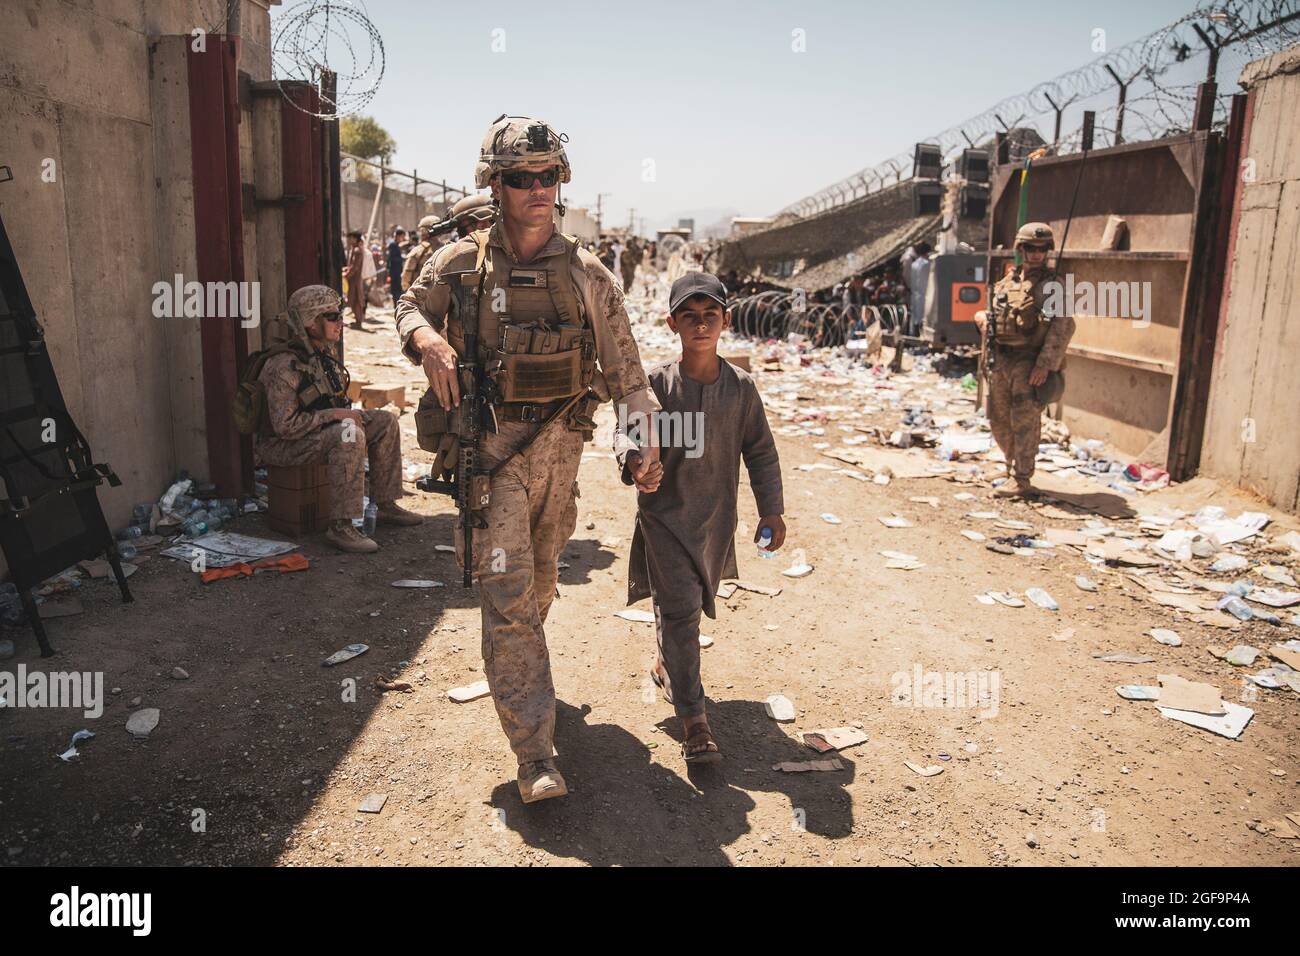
(699, 746)
(661, 681)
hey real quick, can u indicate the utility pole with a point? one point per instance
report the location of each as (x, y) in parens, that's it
(631, 222)
(600, 197)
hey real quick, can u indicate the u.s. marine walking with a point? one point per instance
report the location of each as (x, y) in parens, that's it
(1026, 350)
(551, 326)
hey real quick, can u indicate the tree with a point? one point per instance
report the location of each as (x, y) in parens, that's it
(362, 136)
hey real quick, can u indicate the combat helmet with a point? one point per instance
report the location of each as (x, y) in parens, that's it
(1035, 232)
(519, 141)
(426, 225)
(473, 211)
(313, 300)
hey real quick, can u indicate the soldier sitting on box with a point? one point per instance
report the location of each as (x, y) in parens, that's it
(296, 431)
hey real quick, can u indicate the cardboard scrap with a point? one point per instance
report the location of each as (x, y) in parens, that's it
(1178, 693)
(470, 692)
(834, 738)
(923, 771)
(1230, 725)
(790, 766)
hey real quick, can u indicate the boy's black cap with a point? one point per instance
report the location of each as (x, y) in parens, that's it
(697, 283)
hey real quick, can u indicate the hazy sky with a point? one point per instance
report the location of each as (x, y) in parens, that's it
(712, 92)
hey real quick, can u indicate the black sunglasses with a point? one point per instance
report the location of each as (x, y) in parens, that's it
(332, 316)
(524, 178)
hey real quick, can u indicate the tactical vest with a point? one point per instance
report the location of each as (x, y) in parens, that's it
(534, 340)
(415, 261)
(1017, 311)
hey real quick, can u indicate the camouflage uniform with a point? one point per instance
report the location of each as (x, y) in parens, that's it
(628, 263)
(533, 507)
(291, 434)
(1021, 345)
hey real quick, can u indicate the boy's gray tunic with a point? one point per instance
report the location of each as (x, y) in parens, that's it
(685, 531)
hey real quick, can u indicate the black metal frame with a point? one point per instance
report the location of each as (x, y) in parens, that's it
(50, 516)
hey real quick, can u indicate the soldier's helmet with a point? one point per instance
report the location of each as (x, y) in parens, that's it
(513, 141)
(473, 210)
(426, 225)
(313, 300)
(1035, 232)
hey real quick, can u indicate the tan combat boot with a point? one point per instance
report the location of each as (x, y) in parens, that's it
(540, 780)
(1021, 489)
(345, 537)
(390, 512)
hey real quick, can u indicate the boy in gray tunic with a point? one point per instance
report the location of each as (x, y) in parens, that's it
(684, 542)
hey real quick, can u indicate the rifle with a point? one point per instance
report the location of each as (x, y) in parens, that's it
(471, 487)
(330, 379)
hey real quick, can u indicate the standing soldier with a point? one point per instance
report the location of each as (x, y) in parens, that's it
(420, 252)
(628, 263)
(551, 325)
(1025, 349)
(472, 214)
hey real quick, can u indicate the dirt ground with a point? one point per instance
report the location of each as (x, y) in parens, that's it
(259, 746)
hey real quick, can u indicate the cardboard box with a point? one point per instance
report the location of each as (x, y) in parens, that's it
(295, 477)
(377, 396)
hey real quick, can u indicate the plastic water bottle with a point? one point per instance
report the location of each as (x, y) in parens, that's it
(372, 517)
(765, 542)
(126, 551)
(134, 531)
(1236, 607)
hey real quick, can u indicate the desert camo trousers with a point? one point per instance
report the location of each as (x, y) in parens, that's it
(1014, 413)
(377, 439)
(531, 515)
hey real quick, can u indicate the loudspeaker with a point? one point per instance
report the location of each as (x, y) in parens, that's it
(927, 162)
(973, 166)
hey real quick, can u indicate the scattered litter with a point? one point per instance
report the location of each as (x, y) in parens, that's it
(349, 652)
(930, 500)
(1288, 653)
(895, 521)
(973, 535)
(1229, 562)
(798, 570)
(142, 722)
(779, 708)
(1125, 658)
(1276, 574)
(1165, 636)
(636, 614)
(706, 641)
(830, 518)
(64, 607)
(224, 548)
(898, 555)
(930, 771)
(836, 738)
(446, 548)
(1084, 583)
(1004, 597)
(400, 686)
(373, 803)
(417, 583)
(1230, 725)
(1272, 597)
(984, 515)
(72, 750)
(1138, 692)
(473, 691)
(180, 673)
(1178, 693)
(761, 589)
(726, 590)
(1243, 655)
(1064, 635)
(985, 599)
(1042, 599)
(806, 766)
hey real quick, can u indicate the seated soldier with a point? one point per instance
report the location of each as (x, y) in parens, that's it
(303, 426)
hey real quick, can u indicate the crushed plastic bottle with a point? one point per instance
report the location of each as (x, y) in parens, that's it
(370, 520)
(133, 531)
(765, 542)
(1236, 607)
(126, 551)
